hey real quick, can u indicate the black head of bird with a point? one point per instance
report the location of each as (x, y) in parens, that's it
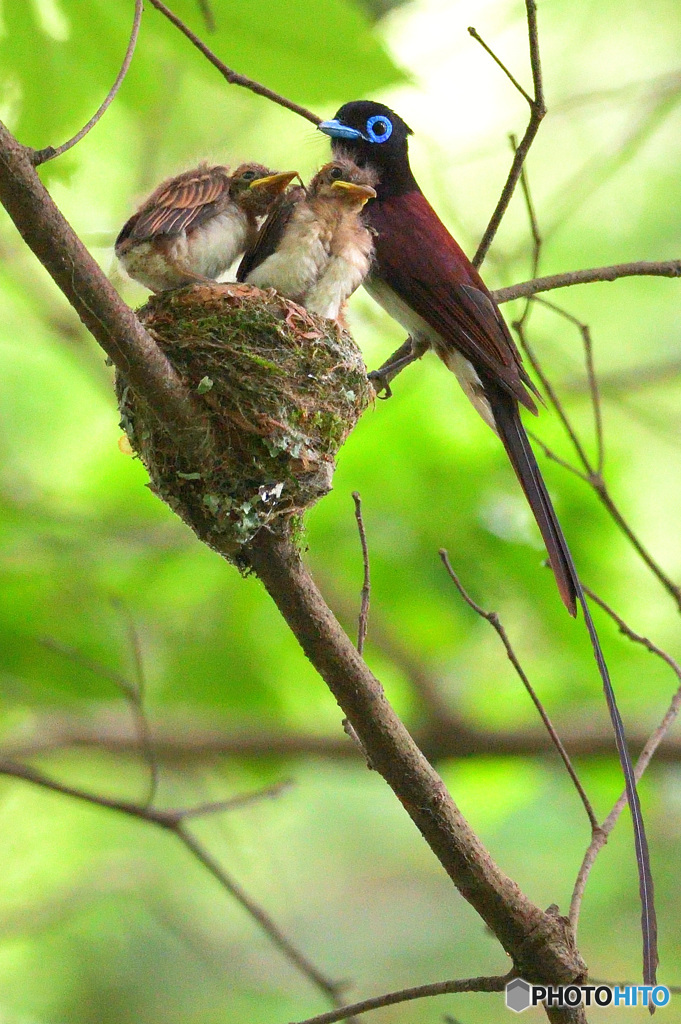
(314, 247)
(194, 225)
(373, 135)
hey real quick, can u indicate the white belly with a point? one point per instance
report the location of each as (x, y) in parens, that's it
(421, 331)
(206, 252)
(218, 242)
(299, 260)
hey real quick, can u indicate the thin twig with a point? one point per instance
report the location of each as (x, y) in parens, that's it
(643, 268)
(113, 324)
(550, 454)
(553, 398)
(534, 225)
(232, 803)
(496, 624)
(174, 821)
(478, 38)
(136, 697)
(592, 476)
(594, 387)
(600, 838)
(132, 692)
(366, 584)
(441, 988)
(537, 111)
(274, 933)
(91, 664)
(41, 156)
(233, 77)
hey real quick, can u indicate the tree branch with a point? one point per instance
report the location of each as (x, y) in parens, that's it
(600, 838)
(537, 111)
(233, 77)
(366, 582)
(174, 821)
(182, 742)
(110, 321)
(643, 268)
(41, 156)
(538, 942)
(441, 988)
(496, 624)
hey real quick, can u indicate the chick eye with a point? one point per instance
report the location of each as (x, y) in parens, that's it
(379, 128)
(336, 173)
(249, 175)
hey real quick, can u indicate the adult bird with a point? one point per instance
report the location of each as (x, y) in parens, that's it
(422, 277)
(314, 247)
(193, 226)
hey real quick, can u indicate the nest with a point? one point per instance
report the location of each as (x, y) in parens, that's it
(282, 389)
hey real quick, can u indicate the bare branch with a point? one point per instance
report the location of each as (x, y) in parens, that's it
(553, 398)
(534, 226)
(600, 838)
(643, 268)
(537, 941)
(41, 156)
(174, 821)
(185, 741)
(392, 644)
(227, 73)
(594, 387)
(132, 693)
(273, 932)
(366, 585)
(233, 803)
(537, 111)
(496, 624)
(497, 60)
(592, 476)
(135, 696)
(550, 454)
(441, 988)
(106, 316)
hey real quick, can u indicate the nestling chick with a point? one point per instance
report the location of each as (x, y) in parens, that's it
(313, 247)
(193, 226)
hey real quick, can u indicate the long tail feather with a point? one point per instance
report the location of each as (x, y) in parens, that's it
(519, 450)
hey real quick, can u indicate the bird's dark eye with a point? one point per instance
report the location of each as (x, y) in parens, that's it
(336, 173)
(249, 175)
(379, 128)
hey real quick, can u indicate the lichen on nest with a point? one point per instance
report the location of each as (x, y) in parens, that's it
(282, 389)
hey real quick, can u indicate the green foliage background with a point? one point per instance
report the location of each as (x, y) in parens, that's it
(104, 920)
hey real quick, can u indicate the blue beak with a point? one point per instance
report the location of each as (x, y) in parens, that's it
(337, 130)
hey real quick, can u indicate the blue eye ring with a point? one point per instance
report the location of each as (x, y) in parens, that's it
(388, 128)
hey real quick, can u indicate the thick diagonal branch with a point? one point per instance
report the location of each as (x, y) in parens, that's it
(538, 942)
(111, 322)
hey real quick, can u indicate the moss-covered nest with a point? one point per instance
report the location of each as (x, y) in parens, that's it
(282, 389)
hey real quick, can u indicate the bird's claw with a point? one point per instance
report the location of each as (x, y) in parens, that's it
(380, 383)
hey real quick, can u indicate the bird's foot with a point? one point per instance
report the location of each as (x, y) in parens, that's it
(380, 382)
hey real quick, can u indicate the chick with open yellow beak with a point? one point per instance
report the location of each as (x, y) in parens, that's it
(314, 247)
(193, 226)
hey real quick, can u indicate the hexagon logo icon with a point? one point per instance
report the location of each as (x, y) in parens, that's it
(517, 995)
